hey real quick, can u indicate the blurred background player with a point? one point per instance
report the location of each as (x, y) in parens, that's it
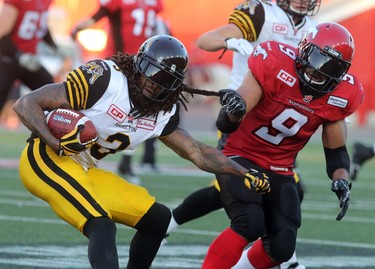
(130, 24)
(249, 24)
(23, 27)
(361, 153)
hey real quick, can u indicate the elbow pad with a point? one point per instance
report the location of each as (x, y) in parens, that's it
(224, 124)
(335, 159)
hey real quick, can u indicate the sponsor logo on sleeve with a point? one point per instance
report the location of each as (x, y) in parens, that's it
(337, 101)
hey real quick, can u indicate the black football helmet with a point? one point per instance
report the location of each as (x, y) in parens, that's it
(306, 7)
(163, 60)
(324, 57)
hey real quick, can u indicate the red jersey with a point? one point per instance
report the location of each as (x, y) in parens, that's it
(131, 20)
(279, 126)
(31, 24)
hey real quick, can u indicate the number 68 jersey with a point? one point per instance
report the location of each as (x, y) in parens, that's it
(100, 90)
(283, 121)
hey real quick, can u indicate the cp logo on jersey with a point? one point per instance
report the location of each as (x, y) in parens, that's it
(287, 78)
(116, 113)
(280, 28)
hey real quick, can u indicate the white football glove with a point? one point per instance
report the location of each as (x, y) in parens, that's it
(240, 45)
(29, 61)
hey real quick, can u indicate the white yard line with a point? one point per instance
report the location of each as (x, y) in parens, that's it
(176, 256)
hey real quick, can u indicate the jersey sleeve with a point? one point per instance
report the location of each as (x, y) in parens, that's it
(173, 122)
(356, 94)
(263, 65)
(249, 17)
(15, 3)
(110, 5)
(86, 84)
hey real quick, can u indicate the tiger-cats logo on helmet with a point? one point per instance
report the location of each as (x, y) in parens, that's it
(94, 69)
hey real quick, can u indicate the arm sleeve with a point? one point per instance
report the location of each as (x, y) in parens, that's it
(86, 84)
(102, 12)
(173, 123)
(49, 40)
(7, 47)
(249, 19)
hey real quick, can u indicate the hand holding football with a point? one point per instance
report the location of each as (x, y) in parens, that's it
(62, 121)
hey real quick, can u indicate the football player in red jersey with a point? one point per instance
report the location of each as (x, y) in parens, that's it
(250, 23)
(23, 26)
(129, 98)
(289, 93)
(130, 24)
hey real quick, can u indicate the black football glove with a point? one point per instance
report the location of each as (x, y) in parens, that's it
(232, 102)
(257, 181)
(342, 189)
(70, 144)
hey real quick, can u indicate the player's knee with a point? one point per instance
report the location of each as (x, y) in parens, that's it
(283, 244)
(99, 227)
(250, 224)
(155, 221)
(289, 203)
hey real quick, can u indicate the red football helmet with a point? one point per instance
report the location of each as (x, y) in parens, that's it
(325, 55)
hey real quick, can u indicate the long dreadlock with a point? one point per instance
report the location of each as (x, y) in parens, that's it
(145, 106)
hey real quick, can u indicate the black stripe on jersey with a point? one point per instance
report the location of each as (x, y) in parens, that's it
(250, 18)
(85, 87)
(64, 176)
(242, 21)
(69, 95)
(172, 123)
(78, 88)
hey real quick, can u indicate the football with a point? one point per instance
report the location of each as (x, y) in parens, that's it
(62, 121)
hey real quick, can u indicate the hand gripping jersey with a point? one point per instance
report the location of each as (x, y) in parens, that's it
(31, 23)
(262, 21)
(100, 91)
(132, 22)
(279, 126)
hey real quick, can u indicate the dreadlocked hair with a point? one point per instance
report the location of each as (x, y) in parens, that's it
(148, 107)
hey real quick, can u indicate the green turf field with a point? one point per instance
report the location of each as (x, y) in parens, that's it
(33, 237)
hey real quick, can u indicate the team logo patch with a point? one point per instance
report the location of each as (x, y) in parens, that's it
(116, 113)
(308, 98)
(260, 51)
(94, 70)
(250, 5)
(280, 28)
(287, 78)
(146, 124)
(337, 101)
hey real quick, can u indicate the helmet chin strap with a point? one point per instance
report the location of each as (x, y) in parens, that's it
(295, 11)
